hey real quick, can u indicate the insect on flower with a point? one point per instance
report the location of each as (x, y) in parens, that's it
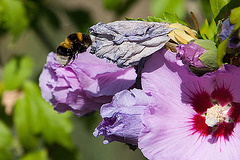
(74, 44)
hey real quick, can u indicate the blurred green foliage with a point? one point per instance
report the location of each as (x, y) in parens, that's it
(172, 6)
(16, 72)
(36, 155)
(34, 116)
(157, 7)
(5, 134)
(13, 17)
(36, 126)
(118, 6)
(17, 16)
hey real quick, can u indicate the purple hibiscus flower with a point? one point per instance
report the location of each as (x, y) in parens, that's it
(122, 117)
(191, 117)
(84, 85)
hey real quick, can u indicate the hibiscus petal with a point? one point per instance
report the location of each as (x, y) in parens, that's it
(122, 118)
(167, 135)
(166, 131)
(165, 78)
(228, 78)
(83, 85)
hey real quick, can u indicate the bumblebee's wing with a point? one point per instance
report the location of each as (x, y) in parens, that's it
(126, 42)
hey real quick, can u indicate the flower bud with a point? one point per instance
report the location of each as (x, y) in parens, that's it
(200, 56)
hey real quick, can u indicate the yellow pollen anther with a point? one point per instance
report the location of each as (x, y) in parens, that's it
(217, 114)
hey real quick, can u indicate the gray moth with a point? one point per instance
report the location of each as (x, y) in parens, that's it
(127, 42)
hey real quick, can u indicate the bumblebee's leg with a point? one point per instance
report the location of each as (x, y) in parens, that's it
(73, 56)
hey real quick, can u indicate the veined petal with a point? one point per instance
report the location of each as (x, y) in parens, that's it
(122, 118)
(166, 131)
(83, 85)
(168, 135)
(165, 81)
(175, 124)
(228, 78)
(160, 76)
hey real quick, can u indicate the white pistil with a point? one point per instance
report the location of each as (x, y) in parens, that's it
(217, 114)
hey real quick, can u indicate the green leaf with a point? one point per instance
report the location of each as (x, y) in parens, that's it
(208, 31)
(37, 155)
(204, 29)
(222, 47)
(5, 154)
(235, 18)
(5, 134)
(217, 5)
(174, 6)
(173, 18)
(206, 44)
(55, 128)
(155, 19)
(16, 71)
(168, 18)
(212, 30)
(13, 16)
(37, 117)
(22, 121)
(165, 17)
(132, 19)
(226, 10)
(209, 58)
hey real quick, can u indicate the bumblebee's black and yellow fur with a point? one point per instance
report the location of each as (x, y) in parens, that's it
(74, 44)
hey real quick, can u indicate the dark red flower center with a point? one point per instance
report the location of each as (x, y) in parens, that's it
(216, 114)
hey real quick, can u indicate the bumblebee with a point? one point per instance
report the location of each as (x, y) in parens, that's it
(74, 44)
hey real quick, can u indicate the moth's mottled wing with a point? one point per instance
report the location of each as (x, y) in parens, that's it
(126, 42)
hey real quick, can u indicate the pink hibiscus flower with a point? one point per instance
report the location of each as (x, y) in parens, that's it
(191, 117)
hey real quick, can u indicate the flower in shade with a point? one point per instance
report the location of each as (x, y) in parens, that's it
(227, 28)
(234, 41)
(122, 117)
(191, 117)
(84, 85)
